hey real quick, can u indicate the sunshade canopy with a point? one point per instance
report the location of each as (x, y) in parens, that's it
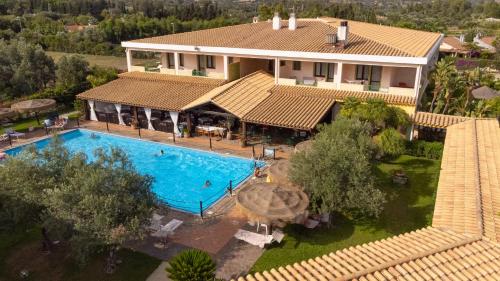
(6, 112)
(271, 202)
(485, 93)
(35, 105)
(278, 173)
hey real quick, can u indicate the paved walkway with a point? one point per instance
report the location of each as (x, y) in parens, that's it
(159, 274)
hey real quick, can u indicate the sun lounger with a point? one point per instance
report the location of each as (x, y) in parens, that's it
(167, 229)
(253, 238)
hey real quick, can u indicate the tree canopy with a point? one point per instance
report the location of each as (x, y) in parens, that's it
(96, 204)
(376, 112)
(336, 172)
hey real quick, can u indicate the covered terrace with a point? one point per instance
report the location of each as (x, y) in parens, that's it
(252, 109)
(147, 100)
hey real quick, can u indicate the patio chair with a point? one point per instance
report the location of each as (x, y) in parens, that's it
(155, 222)
(278, 236)
(4, 137)
(13, 133)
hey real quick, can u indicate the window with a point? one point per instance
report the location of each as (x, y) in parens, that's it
(230, 60)
(297, 65)
(270, 66)
(210, 61)
(170, 60)
(362, 72)
(320, 69)
(181, 59)
(372, 74)
(282, 63)
(206, 62)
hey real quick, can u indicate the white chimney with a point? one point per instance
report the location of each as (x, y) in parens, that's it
(292, 22)
(255, 19)
(343, 32)
(276, 21)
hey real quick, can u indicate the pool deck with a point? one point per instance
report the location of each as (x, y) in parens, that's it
(214, 233)
(223, 146)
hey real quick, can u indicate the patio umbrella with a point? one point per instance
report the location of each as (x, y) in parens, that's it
(268, 202)
(278, 173)
(36, 106)
(303, 146)
(485, 93)
(6, 113)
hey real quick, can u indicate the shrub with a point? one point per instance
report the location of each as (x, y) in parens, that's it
(191, 265)
(391, 143)
(430, 150)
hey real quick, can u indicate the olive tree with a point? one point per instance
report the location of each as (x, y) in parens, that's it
(102, 202)
(336, 172)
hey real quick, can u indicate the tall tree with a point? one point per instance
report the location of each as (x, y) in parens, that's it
(72, 71)
(441, 77)
(336, 172)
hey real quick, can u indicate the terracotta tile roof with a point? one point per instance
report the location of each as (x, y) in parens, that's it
(364, 38)
(291, 109)
(434, 120)
(157, 91)
(468, 196)
(245, 95)
(488, 40)
(426, 254)
(340, 95)
(455, 43)
(488, 146)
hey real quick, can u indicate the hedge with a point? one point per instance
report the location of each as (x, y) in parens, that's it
(430, 150)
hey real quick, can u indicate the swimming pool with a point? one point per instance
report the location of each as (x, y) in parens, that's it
(179, 174)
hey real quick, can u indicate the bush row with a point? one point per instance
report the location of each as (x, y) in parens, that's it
(420, 148)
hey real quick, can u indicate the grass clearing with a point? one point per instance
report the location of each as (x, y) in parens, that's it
(408, 208)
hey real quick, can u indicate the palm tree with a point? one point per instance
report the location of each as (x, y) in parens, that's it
(454, 86)
(471, 81)
(441, 76)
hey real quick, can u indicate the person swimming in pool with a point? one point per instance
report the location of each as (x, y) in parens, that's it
(207, 184)
(161, 153)
(93, 136)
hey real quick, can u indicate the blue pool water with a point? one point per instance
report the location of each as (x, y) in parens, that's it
(179, 174)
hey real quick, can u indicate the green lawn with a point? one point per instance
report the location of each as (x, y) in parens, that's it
(408, 208)
(23, 125)
(119, 63)
(21, 250)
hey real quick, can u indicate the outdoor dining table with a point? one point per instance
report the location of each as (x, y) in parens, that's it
(211, 130)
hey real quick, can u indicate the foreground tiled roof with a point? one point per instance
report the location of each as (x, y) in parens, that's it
(434, 120)
(426, 254)
(364, 38)
(468, 196)
(157, 91)
(463, 242)
(291, 109)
